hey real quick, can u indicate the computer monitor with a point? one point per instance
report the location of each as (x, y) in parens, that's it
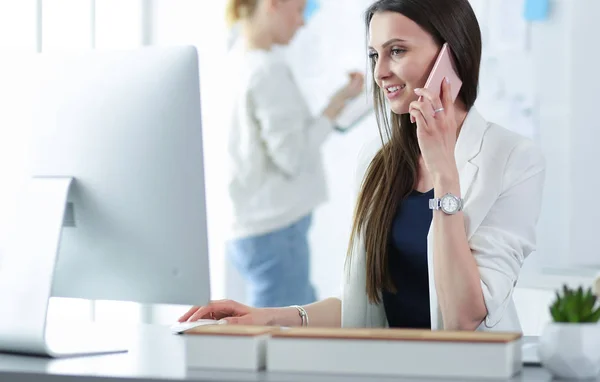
(109, 177)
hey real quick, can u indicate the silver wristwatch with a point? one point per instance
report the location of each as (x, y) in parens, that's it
(449, 204)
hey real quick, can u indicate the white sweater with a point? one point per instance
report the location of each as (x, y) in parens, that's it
(275, 171)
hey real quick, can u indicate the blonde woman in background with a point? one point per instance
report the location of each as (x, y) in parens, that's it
(276, 176)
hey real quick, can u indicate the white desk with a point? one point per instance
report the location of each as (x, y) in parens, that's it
(157, 355)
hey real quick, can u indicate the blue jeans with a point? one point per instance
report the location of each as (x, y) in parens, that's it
(275, 265)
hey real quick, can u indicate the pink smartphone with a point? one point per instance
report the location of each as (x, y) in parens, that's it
(443, 67)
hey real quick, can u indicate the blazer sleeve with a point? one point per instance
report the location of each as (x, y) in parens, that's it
(507, 235)
(287, 129)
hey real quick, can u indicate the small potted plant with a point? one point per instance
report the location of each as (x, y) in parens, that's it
(569, 346)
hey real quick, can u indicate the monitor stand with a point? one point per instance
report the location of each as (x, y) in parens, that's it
(26, 276)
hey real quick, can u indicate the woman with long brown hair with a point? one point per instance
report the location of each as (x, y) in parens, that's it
(448, 206)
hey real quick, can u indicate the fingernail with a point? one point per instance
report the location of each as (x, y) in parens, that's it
(222, 322)
(447, 80)
(417, 90)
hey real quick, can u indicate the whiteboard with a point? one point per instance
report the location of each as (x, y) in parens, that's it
(332, 43)
(507, 94)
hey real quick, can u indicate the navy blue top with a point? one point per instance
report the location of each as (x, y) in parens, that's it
(407, 262)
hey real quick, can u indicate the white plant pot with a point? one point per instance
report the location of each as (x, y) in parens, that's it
(571, 350)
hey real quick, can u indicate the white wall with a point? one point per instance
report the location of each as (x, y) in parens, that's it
(584, 126)
(18, 25)
(569, 131)
(552, 81)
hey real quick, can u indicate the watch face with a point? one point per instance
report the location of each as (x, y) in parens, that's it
(449, 204)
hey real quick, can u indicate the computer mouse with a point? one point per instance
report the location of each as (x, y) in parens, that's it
(180, 327)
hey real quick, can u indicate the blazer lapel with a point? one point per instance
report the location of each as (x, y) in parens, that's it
(467, 147)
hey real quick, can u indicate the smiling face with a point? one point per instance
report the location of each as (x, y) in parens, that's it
(402, 54)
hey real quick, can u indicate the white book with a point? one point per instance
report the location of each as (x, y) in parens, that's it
(354, 112)
(226, 347)
(395, 352)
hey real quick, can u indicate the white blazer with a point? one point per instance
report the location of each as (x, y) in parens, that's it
(501, 181)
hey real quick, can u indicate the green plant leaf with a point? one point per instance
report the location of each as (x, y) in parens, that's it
(571, 309)
(579, 303)
(590, 302)
(558, 316)
(555, 313)
(557, 309)
(574, 305)
(594, 316)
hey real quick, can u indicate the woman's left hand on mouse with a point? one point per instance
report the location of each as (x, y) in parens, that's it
(232, 312)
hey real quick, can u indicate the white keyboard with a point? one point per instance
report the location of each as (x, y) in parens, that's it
(180, 327)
